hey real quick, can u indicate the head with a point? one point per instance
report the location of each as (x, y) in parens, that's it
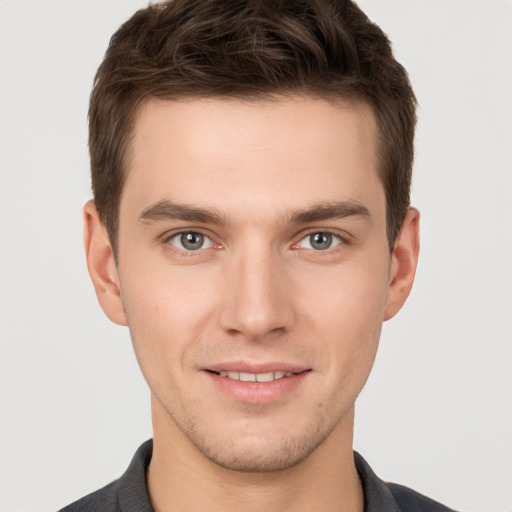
(249, 50)
(251, 163)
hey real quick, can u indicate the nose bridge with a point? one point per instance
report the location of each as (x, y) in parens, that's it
(257, 301)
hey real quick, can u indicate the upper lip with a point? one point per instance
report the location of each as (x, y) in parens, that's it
(248, 367)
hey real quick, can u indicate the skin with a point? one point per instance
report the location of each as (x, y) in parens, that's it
(255, 180)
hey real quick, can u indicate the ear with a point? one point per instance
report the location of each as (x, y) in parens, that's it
(404, 260)
(101, 265)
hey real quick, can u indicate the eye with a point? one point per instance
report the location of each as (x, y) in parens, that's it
(190, 241)
(320, 241)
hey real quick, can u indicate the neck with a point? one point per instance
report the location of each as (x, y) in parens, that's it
(182, 478)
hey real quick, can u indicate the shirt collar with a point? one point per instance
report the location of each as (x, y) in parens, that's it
(133, 495)
(377, 496)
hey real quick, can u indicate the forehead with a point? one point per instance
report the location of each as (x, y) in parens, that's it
(264, 153)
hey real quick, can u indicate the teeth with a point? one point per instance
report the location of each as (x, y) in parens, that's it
(255, 377)
(265, 377)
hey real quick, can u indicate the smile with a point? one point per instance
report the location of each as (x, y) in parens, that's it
(257, 385)
(254, 377)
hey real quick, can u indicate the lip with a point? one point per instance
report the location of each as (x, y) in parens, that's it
(248, 367)
(257, 392)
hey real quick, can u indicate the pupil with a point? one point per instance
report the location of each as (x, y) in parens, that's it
(192, 241)
(321, 241)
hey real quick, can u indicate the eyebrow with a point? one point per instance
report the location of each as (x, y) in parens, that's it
(168, 210)
(331, 210)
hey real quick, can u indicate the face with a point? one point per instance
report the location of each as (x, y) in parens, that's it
(254, 272)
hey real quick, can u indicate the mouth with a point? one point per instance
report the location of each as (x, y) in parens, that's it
(253, 377)
(257, 384)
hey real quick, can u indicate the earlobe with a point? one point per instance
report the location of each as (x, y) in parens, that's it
(101, 265)
(404, 260)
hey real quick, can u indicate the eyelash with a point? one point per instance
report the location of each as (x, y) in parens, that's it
(184, 251)
(335, 238)
(341, 241)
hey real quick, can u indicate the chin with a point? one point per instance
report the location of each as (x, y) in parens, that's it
(260, 453)
(264, 460)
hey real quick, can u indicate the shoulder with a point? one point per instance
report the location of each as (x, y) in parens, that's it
(409, 500)
(382, 496)
(127, 494)
(102, 500)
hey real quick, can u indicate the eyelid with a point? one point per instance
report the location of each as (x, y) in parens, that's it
(167, 237)
(342, 237)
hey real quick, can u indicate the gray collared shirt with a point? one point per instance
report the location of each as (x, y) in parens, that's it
(130, 493)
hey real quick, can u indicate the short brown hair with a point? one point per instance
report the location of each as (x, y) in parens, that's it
(249, 49)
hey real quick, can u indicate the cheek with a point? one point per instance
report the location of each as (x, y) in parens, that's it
(351, 297)
(350, 316)
(163, 298)
(164, 313)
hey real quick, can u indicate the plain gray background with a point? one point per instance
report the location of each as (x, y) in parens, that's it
(436, 412)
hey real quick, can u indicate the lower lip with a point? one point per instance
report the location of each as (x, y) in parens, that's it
(258, 392)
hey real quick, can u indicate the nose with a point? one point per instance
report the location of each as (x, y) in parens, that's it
(258, 302)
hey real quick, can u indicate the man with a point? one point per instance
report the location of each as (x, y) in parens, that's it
(251, 166)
